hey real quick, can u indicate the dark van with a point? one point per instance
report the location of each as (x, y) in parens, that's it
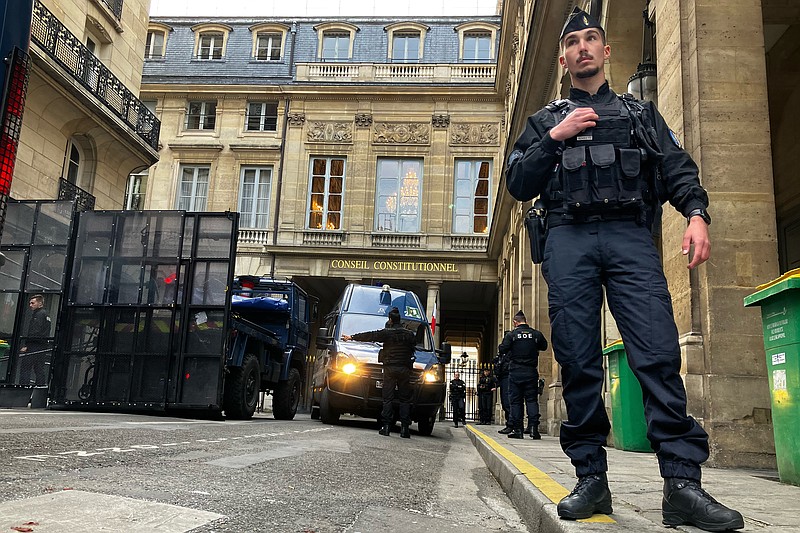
(347, 376)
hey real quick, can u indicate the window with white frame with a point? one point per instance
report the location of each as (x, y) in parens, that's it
(201, 115)
(398, 195)
(254, 195)
(268, 46)
(135, 191)
(472, 189)
(335, 45)
(73, 163)
(154, 45)
(210, 44)
(405, 47)
(326, 193)
(477, 47)
(193, 188)
(261, 116)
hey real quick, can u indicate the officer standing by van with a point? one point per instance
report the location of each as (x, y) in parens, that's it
(397, 356)
(458, 399)
(604, 164)
(522, 346)
(501, 373)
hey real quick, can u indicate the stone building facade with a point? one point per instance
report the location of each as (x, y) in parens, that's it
(356, 150)
(727, 85)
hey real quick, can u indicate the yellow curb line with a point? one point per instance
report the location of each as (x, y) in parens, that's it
(546, 485)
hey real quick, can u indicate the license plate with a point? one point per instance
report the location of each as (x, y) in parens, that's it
(378, 385)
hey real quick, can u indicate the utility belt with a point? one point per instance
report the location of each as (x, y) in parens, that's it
(561, 219)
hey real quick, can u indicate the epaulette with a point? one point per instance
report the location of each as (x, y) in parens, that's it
(557, 105)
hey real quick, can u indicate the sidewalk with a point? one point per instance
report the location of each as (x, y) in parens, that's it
(536, 474)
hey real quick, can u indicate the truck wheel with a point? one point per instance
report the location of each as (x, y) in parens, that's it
(286, 397)
(327, 413)
(242, 386)
(425, 425)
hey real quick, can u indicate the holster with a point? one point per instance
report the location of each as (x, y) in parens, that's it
(536, 224)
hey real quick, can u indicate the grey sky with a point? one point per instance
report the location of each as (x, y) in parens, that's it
(311, 8)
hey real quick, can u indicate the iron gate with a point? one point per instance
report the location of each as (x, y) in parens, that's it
(145, 320)
(470, 372)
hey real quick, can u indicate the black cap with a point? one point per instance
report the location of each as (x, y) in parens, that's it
(520, 316)
(394, 315)
(579, 20)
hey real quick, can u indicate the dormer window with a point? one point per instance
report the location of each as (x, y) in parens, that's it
(406, 41)
(477, 42)
(335, 40)
(154, 46)
(210, 40)
(269, 41)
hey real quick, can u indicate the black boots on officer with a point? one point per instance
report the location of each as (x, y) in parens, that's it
(533, 431)
(405, 432)
(684, 503)
(385, 430)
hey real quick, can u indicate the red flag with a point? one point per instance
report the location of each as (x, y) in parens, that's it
(433, 319)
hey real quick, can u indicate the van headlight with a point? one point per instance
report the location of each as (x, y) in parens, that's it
(435, 374)
(346, 363)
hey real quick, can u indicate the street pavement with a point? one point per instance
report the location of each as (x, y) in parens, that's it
(536, 474)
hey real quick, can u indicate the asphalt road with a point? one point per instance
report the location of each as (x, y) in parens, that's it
(64, 471)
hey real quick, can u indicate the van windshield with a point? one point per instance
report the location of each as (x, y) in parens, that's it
(353, 323)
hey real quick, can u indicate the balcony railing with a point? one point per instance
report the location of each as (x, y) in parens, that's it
(398, 73)
(396, 240)
(67, 50)
(254, 236)
(69, 191)
(115, 6)
(476, 243)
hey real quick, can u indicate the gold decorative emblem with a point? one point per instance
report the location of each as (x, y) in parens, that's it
(585, 21)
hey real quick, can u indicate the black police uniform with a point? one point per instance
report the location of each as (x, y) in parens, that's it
(501, 373)
(397, 356)
(522, 346)
(458, 399)
(485, 397)
(601, 198)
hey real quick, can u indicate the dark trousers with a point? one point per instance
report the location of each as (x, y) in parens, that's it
(524, 395)
(459, 410)
(505, 398)
(485, 405)
(396, 376)
(579, 260)
(33, 363)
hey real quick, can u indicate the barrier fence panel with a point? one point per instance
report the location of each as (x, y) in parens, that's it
(469, 372)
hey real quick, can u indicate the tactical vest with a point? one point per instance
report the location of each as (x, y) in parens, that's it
(601, 167)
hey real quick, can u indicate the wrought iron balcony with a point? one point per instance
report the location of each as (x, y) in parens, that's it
(69, 191)
(64, 48)
(115, 6)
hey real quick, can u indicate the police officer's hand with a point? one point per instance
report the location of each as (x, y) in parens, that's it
(697, 235)
(347, 338)
(574, 123)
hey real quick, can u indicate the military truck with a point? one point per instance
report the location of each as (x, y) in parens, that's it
(347, 376)
(268, 348)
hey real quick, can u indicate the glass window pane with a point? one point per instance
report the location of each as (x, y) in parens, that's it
(334, 220)
(463, 206)
(335, 185)
(18, 227)
(334, 202)
(481, 206)
(315, 220)
(481, 225)
(318, 184)
(318, 167)
(482, 188)
(462, 224)
(337, 167)
(463, 188)
(11, 273)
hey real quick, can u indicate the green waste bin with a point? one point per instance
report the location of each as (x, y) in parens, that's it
(628, 424)
(780, 319)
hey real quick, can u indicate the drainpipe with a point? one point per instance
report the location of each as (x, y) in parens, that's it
(283, 153)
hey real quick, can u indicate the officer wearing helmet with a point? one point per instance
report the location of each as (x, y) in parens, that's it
(603, 164)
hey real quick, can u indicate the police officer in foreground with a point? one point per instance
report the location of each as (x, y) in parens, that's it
(604, 164)
(458, 399)
(522, 346)
(501, 373)
(397, 356)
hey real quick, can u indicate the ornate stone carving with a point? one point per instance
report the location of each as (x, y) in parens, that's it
(297, 119)
(363, 120)
(329, 132)
(405, 133)
(440, 121)
(475, 134)
(515, 43)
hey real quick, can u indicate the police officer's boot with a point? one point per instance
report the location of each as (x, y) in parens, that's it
(535, 435)
(685, 502)
(590, 495)
(385, 430)
(516, 434)
(405, 433)
(506, 430)
(527, 430)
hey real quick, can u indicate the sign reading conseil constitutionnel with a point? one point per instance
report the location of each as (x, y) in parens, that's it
(392, 266)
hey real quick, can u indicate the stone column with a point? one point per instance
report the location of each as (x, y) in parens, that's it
(712, 91)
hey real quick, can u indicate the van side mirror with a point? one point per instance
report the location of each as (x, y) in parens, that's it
(323, 341)
(445, 355)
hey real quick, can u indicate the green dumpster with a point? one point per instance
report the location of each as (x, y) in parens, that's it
(780, 318)
(628, 424)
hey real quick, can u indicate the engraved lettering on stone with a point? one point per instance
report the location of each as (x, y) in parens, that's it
(440, 121)
(296, 119)
(363, 120)
(475, 134)
(411, 133)
(329, 132)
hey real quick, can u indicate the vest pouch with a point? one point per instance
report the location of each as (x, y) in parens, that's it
(576, 189)
(605, 174)
(632, 181)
